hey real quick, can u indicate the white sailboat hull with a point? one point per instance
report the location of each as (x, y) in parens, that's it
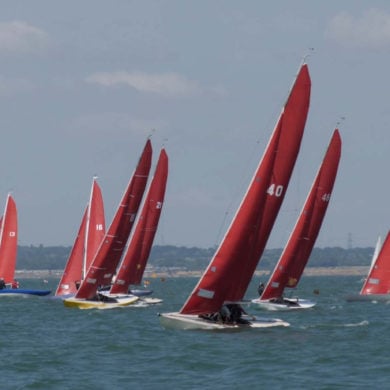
(150, 300)
(123, 297)
(193, 322)
(285, 304)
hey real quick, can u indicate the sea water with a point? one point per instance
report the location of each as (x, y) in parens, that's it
(335, 345)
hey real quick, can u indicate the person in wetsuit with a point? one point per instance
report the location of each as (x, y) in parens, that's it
(260, 289)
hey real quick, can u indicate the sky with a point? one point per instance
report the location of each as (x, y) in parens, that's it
(84, 83)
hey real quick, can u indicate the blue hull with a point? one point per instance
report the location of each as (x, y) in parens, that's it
(23, 291)
(140, 292)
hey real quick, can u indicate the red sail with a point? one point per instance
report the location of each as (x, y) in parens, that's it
(89, 237)
(8, 241)
(134, 261)
(232, 267)
(378, 280)
(295, 256)
(96, 227)
(73, 269)
(106, 260)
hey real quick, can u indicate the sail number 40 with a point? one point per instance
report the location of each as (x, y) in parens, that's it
(275, 190)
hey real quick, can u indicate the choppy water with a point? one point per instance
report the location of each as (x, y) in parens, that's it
(336, 345)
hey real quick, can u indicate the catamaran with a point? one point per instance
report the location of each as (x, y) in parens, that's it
(88, 239)
(215, 301)
(109, 253)
(293, 260)
(134, 260)
(8, 253)
(377, 285)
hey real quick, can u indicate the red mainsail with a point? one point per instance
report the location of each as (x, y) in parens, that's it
(8, 241)
(378, 280)
(295, 256)
(106, 260)
(88, 240)
(232, 267)
(134, 260)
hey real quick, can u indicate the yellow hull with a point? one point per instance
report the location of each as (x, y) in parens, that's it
(89, 304)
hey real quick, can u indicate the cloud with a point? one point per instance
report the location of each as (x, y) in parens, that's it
(371, 30)
(165, 84)
(18, 36)
(113, 123)
(12, 87)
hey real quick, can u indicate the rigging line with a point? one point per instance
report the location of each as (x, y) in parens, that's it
(340, 121)
(164, 142)
(281, 103)
(241, 186)
(246, 177)
(308, 54)
(303, 61)
(151, 133)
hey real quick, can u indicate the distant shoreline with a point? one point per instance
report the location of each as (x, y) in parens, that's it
(309, 271)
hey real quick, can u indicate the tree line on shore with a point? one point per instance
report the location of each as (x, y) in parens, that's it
(193, 258)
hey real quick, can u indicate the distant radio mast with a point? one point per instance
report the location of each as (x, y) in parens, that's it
(349, 243)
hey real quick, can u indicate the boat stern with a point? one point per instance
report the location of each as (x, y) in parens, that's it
(179, 321)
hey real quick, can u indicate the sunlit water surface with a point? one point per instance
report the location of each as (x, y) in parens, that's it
(335, 345)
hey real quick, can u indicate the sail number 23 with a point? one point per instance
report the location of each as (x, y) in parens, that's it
(275, 190)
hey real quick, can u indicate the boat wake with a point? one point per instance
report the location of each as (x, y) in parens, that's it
(327, 325)
(361, 323)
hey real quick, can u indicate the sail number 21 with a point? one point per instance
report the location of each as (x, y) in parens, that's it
(275, 190)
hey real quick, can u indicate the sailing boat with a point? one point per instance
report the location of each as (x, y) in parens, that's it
(109, 253)
(8, 253)
(377, 285)
(295, 256)
(88, 239)
(378, 280)
(377, 249)
(229, 273)
(134, 261)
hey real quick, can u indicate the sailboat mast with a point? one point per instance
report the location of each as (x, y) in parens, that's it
(84, 267)
(3, 220)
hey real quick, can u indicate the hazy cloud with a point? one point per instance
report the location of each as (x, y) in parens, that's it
(11, 87)
(19, 36)
(113, 123)
(370, 30)
(165, 84)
